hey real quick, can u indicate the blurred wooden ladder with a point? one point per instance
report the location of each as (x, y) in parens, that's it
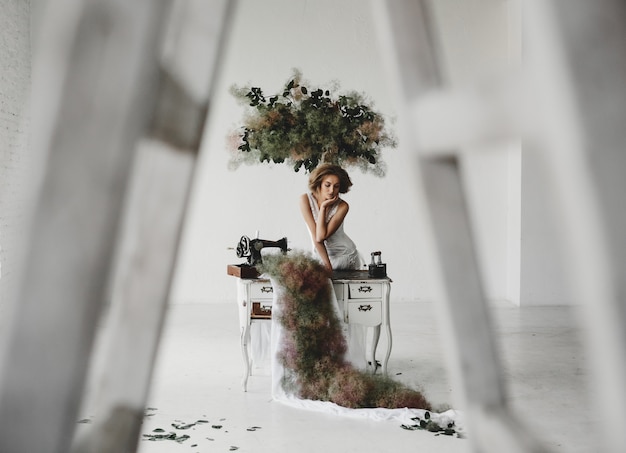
(121, 92)
(581, 127)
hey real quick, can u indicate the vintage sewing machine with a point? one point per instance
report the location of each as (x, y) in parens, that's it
(251, 248)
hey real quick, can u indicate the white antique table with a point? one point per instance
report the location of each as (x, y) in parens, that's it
(362, 299)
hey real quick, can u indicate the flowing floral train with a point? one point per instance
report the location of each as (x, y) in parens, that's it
(312, 347)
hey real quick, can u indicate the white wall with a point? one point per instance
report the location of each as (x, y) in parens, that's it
(335, 40)
(481, 41)
(14, 127)
(543, 276)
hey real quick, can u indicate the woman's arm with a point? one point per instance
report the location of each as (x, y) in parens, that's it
(323, 229)
(305, 208)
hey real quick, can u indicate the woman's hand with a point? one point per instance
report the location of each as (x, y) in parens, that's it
(328, 203)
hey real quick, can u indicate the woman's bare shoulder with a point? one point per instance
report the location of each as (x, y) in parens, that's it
(304, 201)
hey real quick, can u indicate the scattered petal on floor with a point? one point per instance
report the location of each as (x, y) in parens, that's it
(183, 425)
(169, 436)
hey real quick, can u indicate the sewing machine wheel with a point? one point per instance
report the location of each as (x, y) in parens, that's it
(243, 248)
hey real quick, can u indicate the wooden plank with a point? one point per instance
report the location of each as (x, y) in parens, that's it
(142, 280)
(407, 34)
(106, 96)
(493, 426)
(577, 60)
(152, 226)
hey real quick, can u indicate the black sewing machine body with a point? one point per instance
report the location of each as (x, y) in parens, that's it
(251, 248)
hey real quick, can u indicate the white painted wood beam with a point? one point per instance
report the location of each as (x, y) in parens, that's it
(413, 55)
(106, 95)
(577, 63)
(152, 226)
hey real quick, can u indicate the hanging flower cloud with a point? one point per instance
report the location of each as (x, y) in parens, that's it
(304, 127)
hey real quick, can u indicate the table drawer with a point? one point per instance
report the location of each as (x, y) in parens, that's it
(365, 290)
(261, 310)
(261, 290)
(367, 313)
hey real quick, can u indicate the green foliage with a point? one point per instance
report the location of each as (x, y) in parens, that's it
(304, 127)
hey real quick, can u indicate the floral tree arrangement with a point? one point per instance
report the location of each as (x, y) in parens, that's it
(313, 348)
(304, 126)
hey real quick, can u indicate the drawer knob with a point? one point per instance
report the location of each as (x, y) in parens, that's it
(367, 307)
(365, 289)
(266, 289)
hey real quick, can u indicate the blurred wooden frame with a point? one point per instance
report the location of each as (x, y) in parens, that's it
(580, 127)
(121, 98)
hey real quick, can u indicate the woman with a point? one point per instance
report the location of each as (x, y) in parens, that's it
(324, 213)
(317, 374)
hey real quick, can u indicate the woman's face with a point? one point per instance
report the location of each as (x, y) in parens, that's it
(329, 188)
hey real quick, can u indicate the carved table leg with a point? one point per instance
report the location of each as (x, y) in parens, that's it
(245, 340)
(375, 338)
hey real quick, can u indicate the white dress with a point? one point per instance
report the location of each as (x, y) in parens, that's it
(342, 251)
(343, 255)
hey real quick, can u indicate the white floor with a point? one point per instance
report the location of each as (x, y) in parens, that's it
(199, 370)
